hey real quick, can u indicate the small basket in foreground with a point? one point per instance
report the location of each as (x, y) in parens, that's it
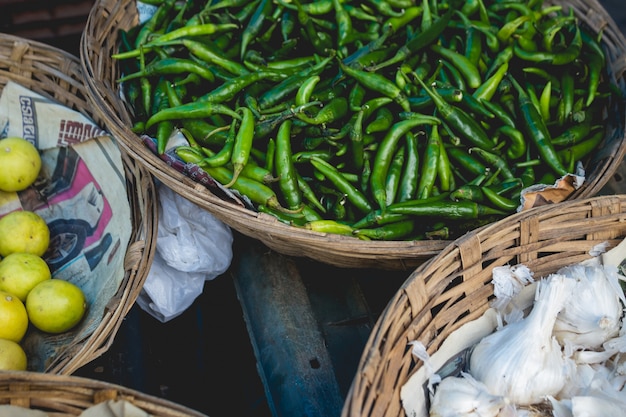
(100, 41)
(66, 395)
(455, 288)
(57, 75)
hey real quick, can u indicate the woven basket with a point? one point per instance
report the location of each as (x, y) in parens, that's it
(57, 75)
(66, 395)
(99, 42)
(455, 287)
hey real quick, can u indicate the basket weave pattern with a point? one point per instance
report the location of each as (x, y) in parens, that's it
(65, 395)
(455, 287)
(99, 42)
(57, 75)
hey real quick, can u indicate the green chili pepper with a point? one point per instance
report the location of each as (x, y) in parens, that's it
(378, 83)
(285, 170)
(394, 175)
(171, 66)
(499, 201)
(306, 90)
(213, 56)
(537, 130)
(470, 192)
(329, 226)
(243, 144)
(291, 84)
(573, 134)
(517, 142)
(254, 25)
(231, 88)
(385, 152)
(458, 120)
(422, 40)
(467, 161)
(352, 193)
(333, 110)
(488, 89)
(224, 155)
(378, 218)
(469, 71)
(192, 110)
(455, 210)
(407, 189)
(392, 231)
(495, 161)
(581, 149)
(428, 173)
(555, 58)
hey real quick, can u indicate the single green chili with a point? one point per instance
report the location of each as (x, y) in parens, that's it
(394, 175)
(455, 210)
(378, 83)
(428, 173)
(392, 231)
(537, 130)
(458, 120)
(243, 143)
(192, 110)
(285, 170)
(343, 185)
(407, 190)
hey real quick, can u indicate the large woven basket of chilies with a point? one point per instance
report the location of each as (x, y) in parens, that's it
(27, 393)
(119, 260)
(362, 134)
(457, 286)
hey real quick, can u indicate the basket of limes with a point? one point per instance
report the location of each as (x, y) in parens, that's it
(362, 135)
(41, 394)
(77, 216)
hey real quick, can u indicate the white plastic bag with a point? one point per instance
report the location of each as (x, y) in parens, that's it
(192, 247)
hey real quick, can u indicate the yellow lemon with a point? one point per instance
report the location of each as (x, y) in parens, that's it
(20, 162)
(23, 231)
(13, 317)
(20, 272)
(12, 356)
(55, 305)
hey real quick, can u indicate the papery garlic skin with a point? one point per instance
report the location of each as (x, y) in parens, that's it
(523, 361)
(592, 315)
(592, 406)
(465, 397)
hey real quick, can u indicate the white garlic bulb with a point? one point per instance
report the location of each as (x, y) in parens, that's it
(465, 397)
(523, 361)
(592, 315)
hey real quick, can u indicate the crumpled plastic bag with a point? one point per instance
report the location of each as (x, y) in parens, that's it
(192, 247)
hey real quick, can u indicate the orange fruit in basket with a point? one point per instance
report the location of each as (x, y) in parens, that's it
(12, 356)
(20, 162)
(55, 305)
(20, 272)
(23, 231)
(13, 317)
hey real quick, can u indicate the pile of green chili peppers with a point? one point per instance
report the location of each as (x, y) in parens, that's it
(379, 119)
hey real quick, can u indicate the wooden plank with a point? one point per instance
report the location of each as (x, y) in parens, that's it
(292, 359)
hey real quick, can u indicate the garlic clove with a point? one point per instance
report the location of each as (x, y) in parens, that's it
(592, 315)
(463, 396)
(523, 361)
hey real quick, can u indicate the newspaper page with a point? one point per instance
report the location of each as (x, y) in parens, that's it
(81, 193)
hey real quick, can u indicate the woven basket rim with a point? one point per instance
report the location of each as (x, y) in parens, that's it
(344, 251)
(70, 394)
(454, 287)
(57, 74)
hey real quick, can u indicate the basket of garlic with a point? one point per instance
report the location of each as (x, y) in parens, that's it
(521, 317)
